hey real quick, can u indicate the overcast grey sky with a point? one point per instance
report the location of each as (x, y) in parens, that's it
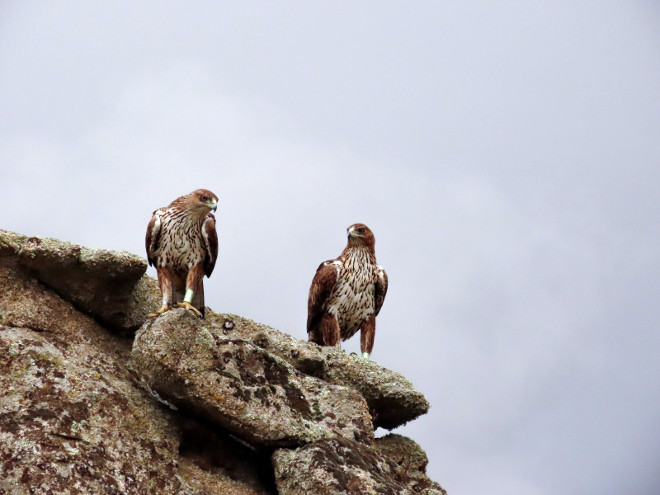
(505, 154)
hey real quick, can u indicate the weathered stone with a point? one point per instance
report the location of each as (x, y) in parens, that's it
(213, 462)
(71, 427)
(304, 356)
(329, 467)
(392, 399)
(243, 388)
(75, 419)
(72, 420)
(26, 303)
(402, 450)
(107, 285)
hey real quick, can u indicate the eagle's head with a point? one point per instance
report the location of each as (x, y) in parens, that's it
(359, 234)
(202, 201)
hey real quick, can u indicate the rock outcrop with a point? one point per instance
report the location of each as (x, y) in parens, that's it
(338, 465)
(246, 390)
(107, 285)
(391, 398)
(184, 406)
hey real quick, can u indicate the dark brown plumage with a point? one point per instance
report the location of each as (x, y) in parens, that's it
(347, 293)
(182, 244)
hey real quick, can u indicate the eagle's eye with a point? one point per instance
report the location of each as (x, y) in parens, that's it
(204, 199)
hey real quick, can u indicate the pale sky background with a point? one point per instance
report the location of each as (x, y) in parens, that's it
(505, 154)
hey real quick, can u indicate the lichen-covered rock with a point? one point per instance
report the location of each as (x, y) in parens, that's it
(70, 427)
(108, 285)
(73, 421)
(330, 467)
(402, 450)
(392, 399)
(26, 303)
(243, 388)
(214, 463)
(304, 356)
(75, 418)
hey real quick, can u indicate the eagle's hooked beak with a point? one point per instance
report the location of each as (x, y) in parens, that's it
(214, 205)
(352, 232)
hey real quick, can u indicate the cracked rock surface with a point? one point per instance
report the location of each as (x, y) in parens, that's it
(342, 466)
(392, 399)
(108, 285)
(235, 383)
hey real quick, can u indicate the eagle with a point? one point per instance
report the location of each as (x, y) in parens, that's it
(347, 293)
(182, 245)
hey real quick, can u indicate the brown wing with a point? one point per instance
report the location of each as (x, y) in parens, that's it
(152, 238)
(211, 244)
(322, 285)
(381, 288)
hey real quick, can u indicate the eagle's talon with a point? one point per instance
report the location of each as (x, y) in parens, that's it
(162, 309)
(190, 307)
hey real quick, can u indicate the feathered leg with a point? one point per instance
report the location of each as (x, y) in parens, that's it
(198, 299)
(165, 284)
(367, 336)
(194, 288)
(329, 330)
(314, 335)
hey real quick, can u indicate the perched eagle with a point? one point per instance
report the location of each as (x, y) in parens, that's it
(183, 246)
(347, 293)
